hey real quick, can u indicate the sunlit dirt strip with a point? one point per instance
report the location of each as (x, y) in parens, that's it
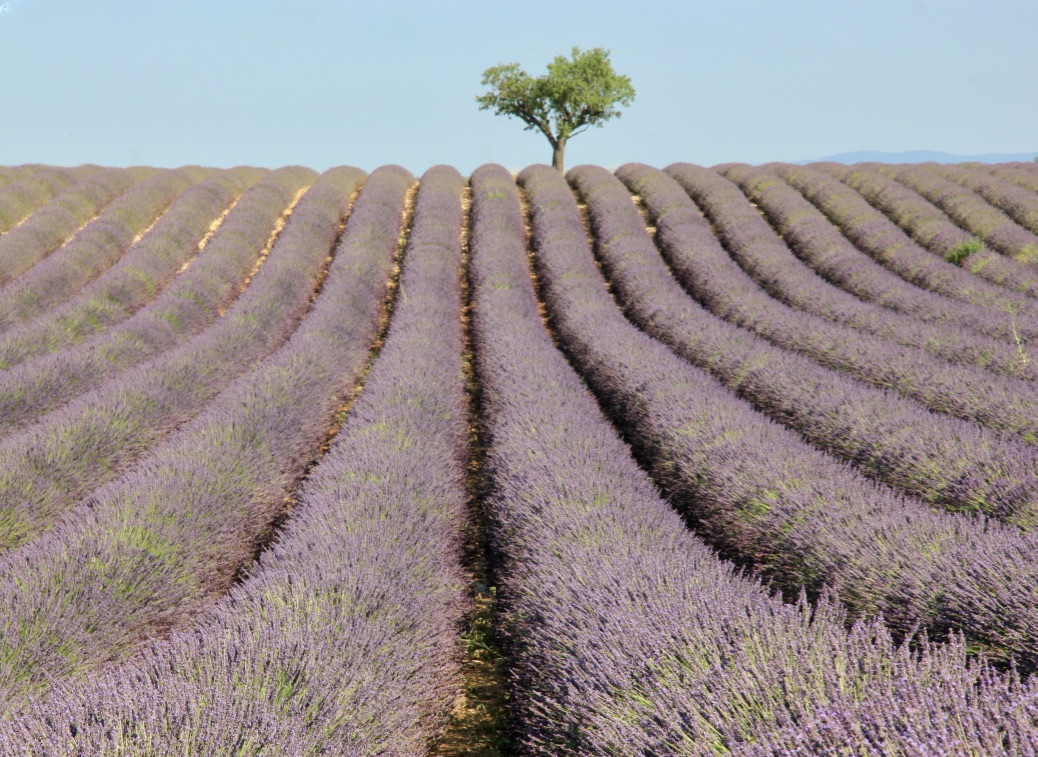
(279, 226)
(16, 225)
(643, 210)
(215, 227)
(80, 230)
(100, 212)
(144, 232)
(338, 238)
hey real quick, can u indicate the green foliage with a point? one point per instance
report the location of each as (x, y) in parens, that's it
(960, 252)
(1027, 254)
(576, 93)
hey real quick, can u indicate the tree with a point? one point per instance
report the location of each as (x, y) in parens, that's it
(576, 93)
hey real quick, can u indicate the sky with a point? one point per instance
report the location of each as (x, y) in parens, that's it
(322, 83)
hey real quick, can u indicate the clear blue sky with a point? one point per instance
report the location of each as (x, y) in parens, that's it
(322, 83)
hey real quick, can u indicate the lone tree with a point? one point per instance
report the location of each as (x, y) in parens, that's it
(576, 93)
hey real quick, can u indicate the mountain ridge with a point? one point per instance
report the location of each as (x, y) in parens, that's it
(921, 156)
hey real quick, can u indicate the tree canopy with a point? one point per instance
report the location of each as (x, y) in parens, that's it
(577, 92)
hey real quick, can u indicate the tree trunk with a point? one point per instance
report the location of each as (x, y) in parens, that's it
(558, 154)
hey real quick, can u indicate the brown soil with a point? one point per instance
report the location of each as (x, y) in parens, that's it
(213, 228)
(476, 727)
(279, 226)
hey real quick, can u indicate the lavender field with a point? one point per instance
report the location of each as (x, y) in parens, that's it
(738, 460)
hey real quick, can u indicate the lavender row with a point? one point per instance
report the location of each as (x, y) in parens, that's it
(12, 174)
(761, 494)
(764, 256)
(1004, 403)
(714, 279)
(930, 227)
(150, 550)
(975, 714)
(19, 199)
(705, 269)
(1021, 174)
(191, 303)
(136, 279)
(97, 436)
(344, 638)
(58, 221)
(946, 461)
(95, 248)
(818, 243)
(627, 634)
(1019, 203)
(970, 210)
(871, 232)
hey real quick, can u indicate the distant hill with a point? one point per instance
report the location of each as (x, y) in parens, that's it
(922, 156)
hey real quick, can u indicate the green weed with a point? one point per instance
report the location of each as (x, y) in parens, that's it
(961, 251)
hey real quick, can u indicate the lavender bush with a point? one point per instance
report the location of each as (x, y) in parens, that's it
(930, 227)
(344, 638)
(12, 174)
(759, 493)
(815, 240)
(59, 220)
(945, 461)
(147, 552)
(871, 232)
(19, 199)
(1021, 174)
(97, 436)
(968, 209)
(186, 307)
(1016, 202)
(136, 279)
(627, 635)
(977, 714)
(95, 248)
(764, 256)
